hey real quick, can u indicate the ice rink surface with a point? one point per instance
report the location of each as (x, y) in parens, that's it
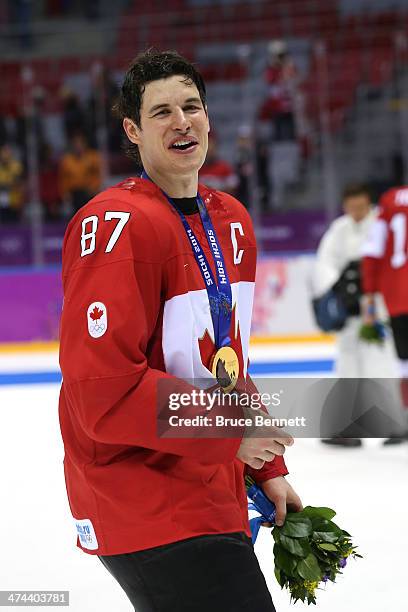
(368, 488)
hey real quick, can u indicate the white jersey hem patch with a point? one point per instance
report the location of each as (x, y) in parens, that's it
(86, 534)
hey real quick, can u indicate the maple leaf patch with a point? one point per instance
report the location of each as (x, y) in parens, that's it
(97, 318)
(96, 314)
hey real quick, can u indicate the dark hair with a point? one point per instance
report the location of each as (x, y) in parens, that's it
(148, 66)
(356, 189)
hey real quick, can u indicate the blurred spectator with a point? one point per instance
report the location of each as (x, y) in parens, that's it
(244, 164)
(80, 173)
(38, 98)
(74, 118)
(11, 185)
(263, 180)
(217, 173)
(281, 76)
(50, 194)
(103, 96)
(279, 121)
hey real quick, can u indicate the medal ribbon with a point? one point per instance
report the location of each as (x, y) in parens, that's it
(219, 294)
(264, 506)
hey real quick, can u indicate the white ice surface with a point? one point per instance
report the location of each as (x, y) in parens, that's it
(368, 487)
(281, 351)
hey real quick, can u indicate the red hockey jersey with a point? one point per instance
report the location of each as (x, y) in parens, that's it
(385, 254)
(136, 310)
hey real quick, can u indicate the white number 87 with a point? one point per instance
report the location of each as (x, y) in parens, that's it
(88, 238)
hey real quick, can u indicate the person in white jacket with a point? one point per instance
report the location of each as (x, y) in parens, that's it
(339, 247)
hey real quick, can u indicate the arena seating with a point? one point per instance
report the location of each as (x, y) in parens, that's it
(352, 57)
(360, 55)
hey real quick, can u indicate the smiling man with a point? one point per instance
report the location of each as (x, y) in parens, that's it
(158, 276)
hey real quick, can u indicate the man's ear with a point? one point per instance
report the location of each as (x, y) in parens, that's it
(132, 131)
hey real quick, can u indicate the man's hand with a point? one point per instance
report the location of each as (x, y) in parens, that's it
(279, 491)
(368, 313)
(255, 451)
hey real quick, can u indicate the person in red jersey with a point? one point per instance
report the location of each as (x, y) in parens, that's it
(143, 264)
(281, 76)
(385, 270)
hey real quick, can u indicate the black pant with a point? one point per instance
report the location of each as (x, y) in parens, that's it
(399, 326)
(212, 573)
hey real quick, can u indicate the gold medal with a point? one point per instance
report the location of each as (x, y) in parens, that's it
(225, 368)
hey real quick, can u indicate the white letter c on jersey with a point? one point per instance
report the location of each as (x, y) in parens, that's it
(237, 254)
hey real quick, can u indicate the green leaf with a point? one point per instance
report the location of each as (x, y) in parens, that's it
(294, 517)
(297, 546)
(325, 546)
(325, 525)
(276, 534)
(279, 577)
(284, 560)
(326, 531)
(325, 536)
(321, 512)
(309, 568)
(299, 527)
(334, 526)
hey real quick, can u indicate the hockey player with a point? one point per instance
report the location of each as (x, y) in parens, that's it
(338, 265)
(158, 276)
(385, 271)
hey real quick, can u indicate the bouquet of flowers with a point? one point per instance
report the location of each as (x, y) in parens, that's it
(309, 548)
(376, 332)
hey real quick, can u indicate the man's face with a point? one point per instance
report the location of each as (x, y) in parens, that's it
(173, 137)
(357, 207)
